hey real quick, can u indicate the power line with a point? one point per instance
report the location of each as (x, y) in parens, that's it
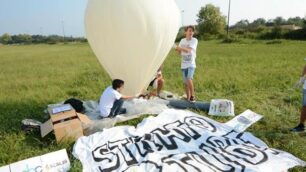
(41, 31)
(63, 27)
(182, 17)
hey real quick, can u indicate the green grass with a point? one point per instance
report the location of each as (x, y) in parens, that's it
(253, 74)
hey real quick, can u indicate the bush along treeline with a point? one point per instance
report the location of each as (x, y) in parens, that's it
(7, 39)
(211, 24)
(278, 28)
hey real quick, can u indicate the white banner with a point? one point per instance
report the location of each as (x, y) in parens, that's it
(179, 141)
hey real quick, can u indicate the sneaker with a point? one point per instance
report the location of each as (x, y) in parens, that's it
(299, 128)
(192, 99)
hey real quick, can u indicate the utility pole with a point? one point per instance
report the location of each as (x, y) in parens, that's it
(228, 19)
(63, 27)
(41, 31)
(182, 17)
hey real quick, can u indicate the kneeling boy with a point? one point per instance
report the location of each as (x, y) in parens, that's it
(111, 101)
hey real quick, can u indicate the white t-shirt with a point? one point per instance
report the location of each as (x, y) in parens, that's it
(189, 59)
(107, 100)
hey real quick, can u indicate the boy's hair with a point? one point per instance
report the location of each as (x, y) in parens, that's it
(117, 83)
(190, 27)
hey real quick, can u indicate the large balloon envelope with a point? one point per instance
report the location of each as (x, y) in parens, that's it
(131, 38)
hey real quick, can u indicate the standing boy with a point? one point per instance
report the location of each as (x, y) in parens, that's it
(301, 126)
(187, 49)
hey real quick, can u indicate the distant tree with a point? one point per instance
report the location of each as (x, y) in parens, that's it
(38, 39)
(242, 24)
(210, 20)
(6, 38)
(258, 22)
(53, 39)
(22, 39)
(278, 21)
(270, 23)
(298, 21)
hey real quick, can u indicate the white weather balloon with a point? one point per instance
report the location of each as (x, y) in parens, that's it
(131, 38)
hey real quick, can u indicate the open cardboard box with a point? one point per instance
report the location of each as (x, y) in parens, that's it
(65, 122)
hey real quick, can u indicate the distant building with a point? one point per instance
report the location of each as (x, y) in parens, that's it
(288, 27)
(291, 27)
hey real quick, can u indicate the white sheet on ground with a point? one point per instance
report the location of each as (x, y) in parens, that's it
(135, 108)
(179, 141)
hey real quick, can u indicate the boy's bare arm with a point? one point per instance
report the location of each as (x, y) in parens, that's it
(127, 97)
(187, 49)
(178, 51)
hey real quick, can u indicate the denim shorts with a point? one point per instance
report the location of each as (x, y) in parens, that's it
(304, 97)
(188, 73)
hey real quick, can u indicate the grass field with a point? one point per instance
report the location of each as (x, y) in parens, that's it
(254, 74)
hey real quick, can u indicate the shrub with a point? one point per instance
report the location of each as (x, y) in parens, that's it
(231, 39)
(296, 34)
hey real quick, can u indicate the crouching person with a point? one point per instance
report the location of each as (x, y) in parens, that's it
(111, 101)
(157, 83)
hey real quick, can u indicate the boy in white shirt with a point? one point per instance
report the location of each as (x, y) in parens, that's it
(301, 126)
(187, 49)
(112, 100)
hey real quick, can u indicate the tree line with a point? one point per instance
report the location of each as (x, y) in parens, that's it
(7, 39)
(212, 24)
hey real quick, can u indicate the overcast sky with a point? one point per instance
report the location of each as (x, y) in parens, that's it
(48, 16)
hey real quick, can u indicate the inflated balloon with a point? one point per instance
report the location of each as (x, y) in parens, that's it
(131, 38)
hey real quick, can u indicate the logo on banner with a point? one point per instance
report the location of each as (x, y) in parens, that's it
(34, 169)
(226, 153)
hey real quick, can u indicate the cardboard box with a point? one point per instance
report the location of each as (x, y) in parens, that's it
(65, 122)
